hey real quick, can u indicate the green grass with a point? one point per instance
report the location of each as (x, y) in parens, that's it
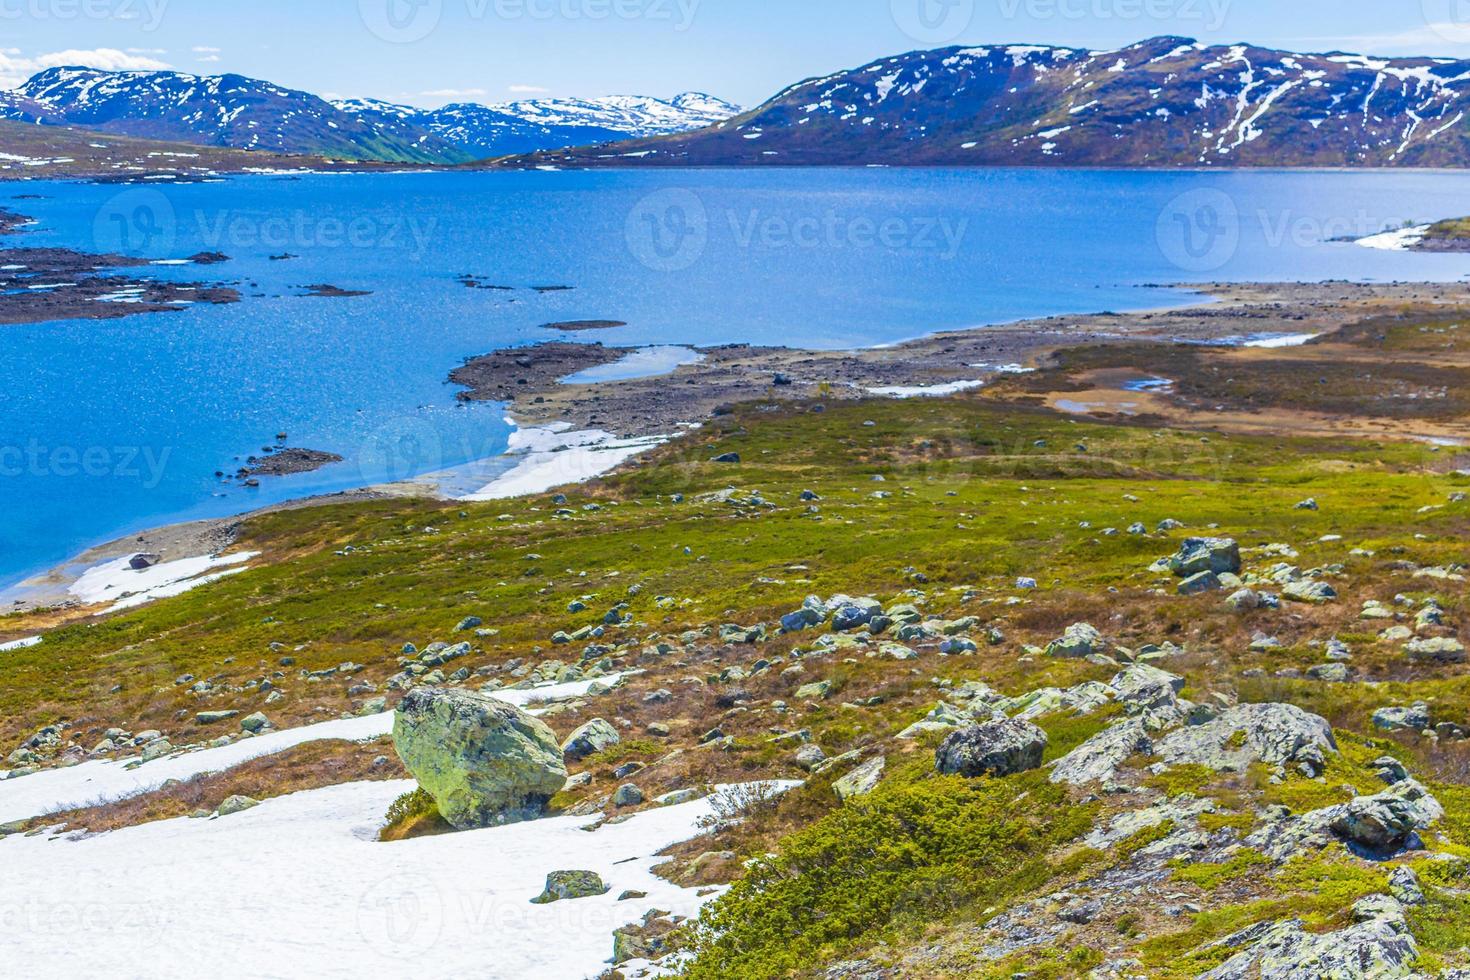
(976, 502)
(884, 864)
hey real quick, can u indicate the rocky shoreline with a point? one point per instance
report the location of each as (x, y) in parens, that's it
(38, 285)
(529, 379)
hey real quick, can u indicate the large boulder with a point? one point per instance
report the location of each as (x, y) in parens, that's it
(1276, 734)
(1377, 823)
(1097, 759)
(1080, 640)
(1444, 650)
(485, 762)
(995, 748)
(1199, 555)
(596, 736)
(1378, 945)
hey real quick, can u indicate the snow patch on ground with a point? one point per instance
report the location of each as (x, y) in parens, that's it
(298, 886)
(21, 644)
(126, 588)
(1396, 241)
(554, 457)
(104, 781)
(925, 391)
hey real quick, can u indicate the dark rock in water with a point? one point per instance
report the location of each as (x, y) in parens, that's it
(996, 748)
(140, 562)
(285, 462)
(576, 326)
(209, 258)
(326, 291)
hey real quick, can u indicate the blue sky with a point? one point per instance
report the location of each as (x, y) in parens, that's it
(429, 52)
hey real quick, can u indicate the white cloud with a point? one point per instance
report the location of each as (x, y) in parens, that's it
(14, 69)
(453, 93)
(528, 89)
(1446, 39)
(202, 49)
(208, 58)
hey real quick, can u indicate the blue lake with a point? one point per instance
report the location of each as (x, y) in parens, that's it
(113, 426)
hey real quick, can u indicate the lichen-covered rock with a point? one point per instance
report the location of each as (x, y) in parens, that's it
(1378, 946)
(485, 762)
(237, 804)
(1080, 640)
(1309, 591)
(596, 736)
(1444, 650)
(1376, 823)
(1276, 734)
(1415, 718)
(1199, 555)
(995, 748)
(562, 886)
(1098, 758)
(862, 780)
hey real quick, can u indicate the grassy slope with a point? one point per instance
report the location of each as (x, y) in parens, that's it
(980, 493)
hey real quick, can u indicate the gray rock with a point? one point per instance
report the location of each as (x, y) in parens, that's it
(1080, 640)
(862, 780)
(214, 717)
(817, 691)
(1097, 759)
(994, 748)
(562, 886)
(236, 804)
(485, 762)
(1197, 555)
(1444, 650)
(596, 736)
(1411, 719)
(1276, 734)
(810, 756)
(1376, 823)
(627, 795)
(255, 723)
(1404, 885)
(1309, 591)
(1378, 946)
(1200, 584)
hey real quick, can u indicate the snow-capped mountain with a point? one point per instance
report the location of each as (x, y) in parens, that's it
(245, 113)
(224, 110)
(1166, 102)
(524, 127)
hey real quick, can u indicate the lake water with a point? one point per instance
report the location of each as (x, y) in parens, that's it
(112, 426)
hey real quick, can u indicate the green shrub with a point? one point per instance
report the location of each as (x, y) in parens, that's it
(412, 815)
(901, 857)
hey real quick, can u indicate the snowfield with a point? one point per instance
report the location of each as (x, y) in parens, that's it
(298, 886)
(101, 780)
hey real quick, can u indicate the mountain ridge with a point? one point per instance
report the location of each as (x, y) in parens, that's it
(234, 111)
(1164, 102)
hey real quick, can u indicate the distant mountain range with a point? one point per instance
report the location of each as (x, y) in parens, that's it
(244, 113)
(1166, 102)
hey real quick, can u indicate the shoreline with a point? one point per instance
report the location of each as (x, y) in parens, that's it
(568, 433)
